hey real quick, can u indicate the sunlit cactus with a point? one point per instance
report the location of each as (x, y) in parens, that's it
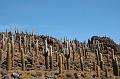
(20, 44)
(25, 49)
(8, 58)
(60, 64)
(51, 58)
(81, 64)
(46, 55)
(3, 42)
(36, 48)
(12, 49)
(22, 59)
(67, 55)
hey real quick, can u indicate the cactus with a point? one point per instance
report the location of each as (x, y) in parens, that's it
(100, 57)
(51, 58)
(60, 64)
(1, 52)
(29, 44)
(113, 57)
(3, 42)
(20, 43)
(115, 67)
(98, 71)
(46, 55)
(97, 56)
(73, 48)
(67, 55)
(106, 72)
(56, 54)
(8, 58)
(25, 50)
(94, 66)
(36, 48)
(81, 63)
(12, 50)
(73, 55)
(22, 59)
(102, 65)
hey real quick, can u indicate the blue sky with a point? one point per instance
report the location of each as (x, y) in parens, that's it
(72, 18)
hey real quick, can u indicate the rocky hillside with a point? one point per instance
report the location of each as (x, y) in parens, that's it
(30, 56)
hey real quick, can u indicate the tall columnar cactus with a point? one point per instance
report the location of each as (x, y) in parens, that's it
(98, 71)
(94, 66)
(60, 64)
(12, 49)
(102, 65)
(33, 40)
(97, 57)
(73, 48)
(25, 49)
(3, 41)
(73, 55)
(67, 55)
(30, 44)
(36, 48)
(1, 52)
(101, 62)
(22, 59)
(20, 43)
(81, 63)
(101, 57)
(46, 55)
(8, 58)
(51, 58)
(106, 72)
(113, 56)
(115, 67)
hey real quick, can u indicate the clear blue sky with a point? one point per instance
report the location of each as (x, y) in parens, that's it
(72, 18)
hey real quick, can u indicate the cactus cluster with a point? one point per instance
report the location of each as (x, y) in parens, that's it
(28, 51)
